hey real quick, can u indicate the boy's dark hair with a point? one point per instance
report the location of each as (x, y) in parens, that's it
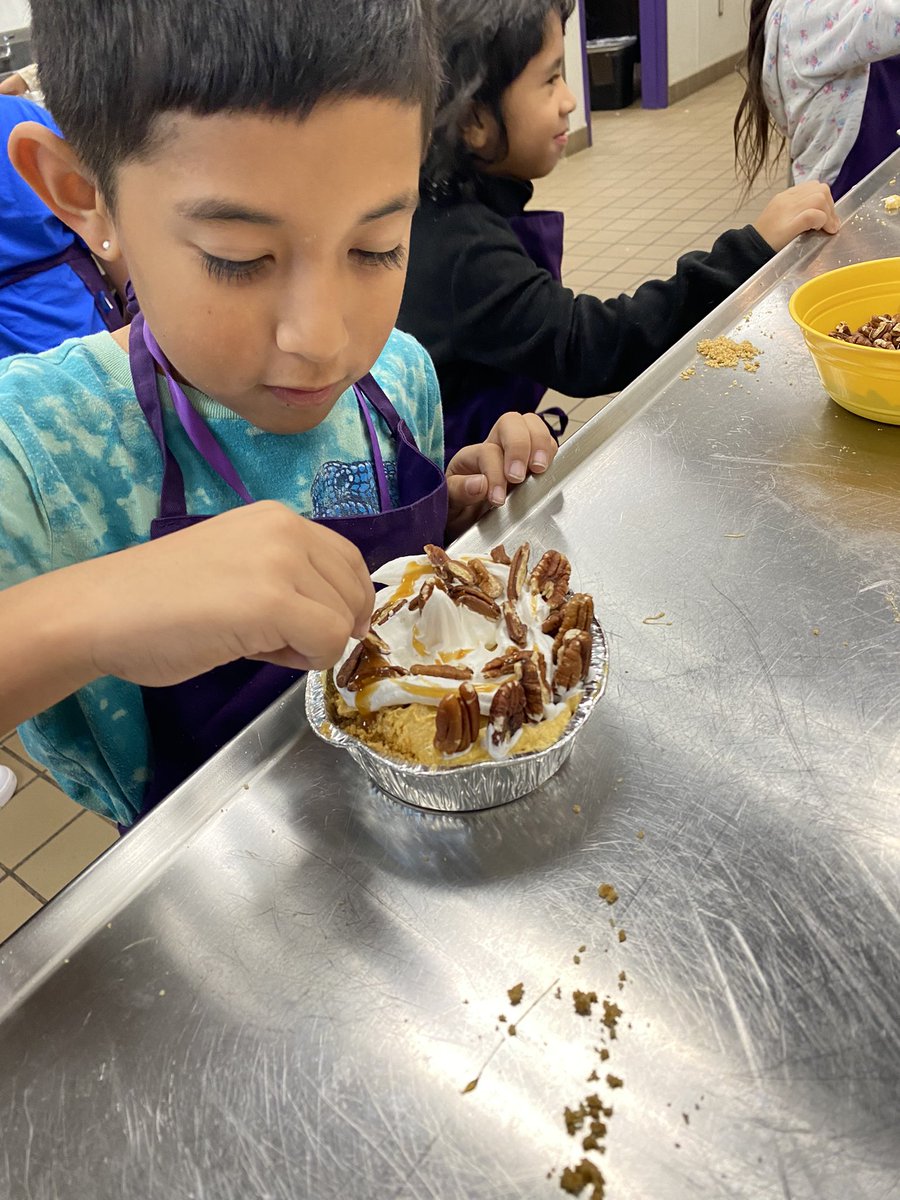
(753, 124)
(110, 68)
(485, 45)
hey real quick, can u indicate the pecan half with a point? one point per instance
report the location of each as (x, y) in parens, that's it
(450, 570)
(534, 692)
(574, 661)
(518, 572)
(499, 555)
(440, 671)
(515, 626)
(577, 613)
(423, 595)
(348, 669)
(477, 602)
(550, 577)
(506, 664)
(382, 615)
(372, 675)
(458, 721)
(554, 621)
(484, 580)
(507, 711)
(375, 645)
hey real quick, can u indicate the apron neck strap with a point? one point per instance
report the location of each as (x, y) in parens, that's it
(385, 502)
(143, 374)
(201, 436)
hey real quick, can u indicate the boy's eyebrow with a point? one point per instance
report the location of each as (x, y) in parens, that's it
(228, 210)
(225, 210)
(402, 203)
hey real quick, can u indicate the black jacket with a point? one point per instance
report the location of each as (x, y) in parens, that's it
(482, 308)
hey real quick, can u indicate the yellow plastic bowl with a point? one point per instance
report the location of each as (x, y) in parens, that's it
(860, 378)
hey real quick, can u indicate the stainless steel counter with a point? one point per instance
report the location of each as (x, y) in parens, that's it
(280, 984)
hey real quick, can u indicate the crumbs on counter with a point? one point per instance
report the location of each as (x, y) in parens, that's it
(515, 993)
(512, 1031)
(892, 204)
(614, 1081)
(640, 835)
(622, 935)
(725, 352)
(657, 619)
(575, 1179)
(584, 1002)
(611, 1014)
(689, 373)
(607, 892)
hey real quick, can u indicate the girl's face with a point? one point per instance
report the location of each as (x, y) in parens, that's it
(269, 253)
(536, 109)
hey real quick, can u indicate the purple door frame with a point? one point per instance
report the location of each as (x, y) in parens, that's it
(654, 57)
(654, 54)
(586, 71)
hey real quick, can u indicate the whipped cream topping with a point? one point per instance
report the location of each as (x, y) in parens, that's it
(444, 633)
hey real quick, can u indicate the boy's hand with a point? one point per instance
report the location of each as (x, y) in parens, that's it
(479, 477)
(807, 206)
(257, 582)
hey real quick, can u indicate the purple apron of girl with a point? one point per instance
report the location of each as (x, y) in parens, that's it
(190, 721)
(877, 138)
(541, 235)
(79, 260)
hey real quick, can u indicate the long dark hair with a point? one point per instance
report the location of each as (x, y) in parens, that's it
(484, 45)
(754, 128)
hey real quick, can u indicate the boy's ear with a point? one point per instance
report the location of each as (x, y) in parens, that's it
(477, 129)
(51, 168)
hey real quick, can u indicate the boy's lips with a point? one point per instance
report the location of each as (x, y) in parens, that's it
(304, 397)
(562, 139)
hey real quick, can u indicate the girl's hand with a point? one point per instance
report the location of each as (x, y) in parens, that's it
(479, 477)
(807, 206)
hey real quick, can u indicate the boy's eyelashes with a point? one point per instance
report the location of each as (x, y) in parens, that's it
(235, 271)
(382, 258)
(230, 270)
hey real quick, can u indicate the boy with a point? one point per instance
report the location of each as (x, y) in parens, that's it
(256, 165)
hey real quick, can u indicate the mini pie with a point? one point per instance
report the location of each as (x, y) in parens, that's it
(467, 659)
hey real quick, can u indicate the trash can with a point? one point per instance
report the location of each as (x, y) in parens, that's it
(611, 63)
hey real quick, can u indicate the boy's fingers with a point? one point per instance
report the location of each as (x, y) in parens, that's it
(319, 649)
(466, 491)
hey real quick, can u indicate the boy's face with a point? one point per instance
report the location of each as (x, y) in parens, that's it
(536, 109)
(268, 253)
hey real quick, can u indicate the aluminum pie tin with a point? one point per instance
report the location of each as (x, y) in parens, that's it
(468, 788)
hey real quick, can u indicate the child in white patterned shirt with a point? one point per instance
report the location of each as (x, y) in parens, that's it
(827, 78)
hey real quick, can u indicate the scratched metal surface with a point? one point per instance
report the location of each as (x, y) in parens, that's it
(279, 985)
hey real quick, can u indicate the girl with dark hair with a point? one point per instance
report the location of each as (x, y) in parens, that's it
(825, 80)
(484, 292)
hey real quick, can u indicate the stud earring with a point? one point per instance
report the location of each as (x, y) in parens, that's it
(105, 245)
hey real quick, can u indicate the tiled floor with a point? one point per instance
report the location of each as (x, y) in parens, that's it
(654, 185)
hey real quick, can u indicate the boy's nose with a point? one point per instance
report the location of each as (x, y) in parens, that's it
(311, 323)
(569, 103)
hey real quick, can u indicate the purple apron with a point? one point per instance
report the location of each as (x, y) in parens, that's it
(541, 235)
(190, 721)
(80, 261)
(877, 138)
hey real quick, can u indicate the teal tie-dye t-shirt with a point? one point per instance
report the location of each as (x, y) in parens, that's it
(80, 476)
